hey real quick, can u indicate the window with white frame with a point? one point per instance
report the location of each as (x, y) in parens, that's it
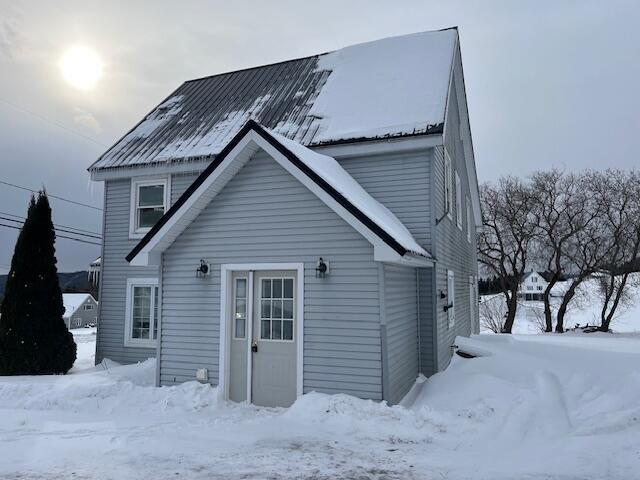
(149, 201)
(142, 312)
(240, 308)
(276, 309)
(469, 220)
(448, 183)
(458, 202)
(88, 306)
(534, 279)
(451, 296)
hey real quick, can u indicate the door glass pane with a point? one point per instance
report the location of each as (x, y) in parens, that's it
(277, 287)
(276, 312)
(241, 288)
(150, 195)
(266, 288)
(241, 307)
(287, 329)
(287, 309)
(240, 328)
(265, 311)
(265, 330)
(288, 288)
(276, 326)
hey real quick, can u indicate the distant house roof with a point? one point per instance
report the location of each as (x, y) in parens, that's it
(321, 173)
(387, 88)
(72, 302)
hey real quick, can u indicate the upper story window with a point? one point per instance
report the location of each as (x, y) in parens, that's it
(149, 201)
(458, 202)
(87, 306)
(534, 279)
(448, 183)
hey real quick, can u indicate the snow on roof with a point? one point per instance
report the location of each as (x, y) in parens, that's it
(72, 302)
(391, 87)
(336, 176)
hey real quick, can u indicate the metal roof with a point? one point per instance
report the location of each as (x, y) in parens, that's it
(203, 115)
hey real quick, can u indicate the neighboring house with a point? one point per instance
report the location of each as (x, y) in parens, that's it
(306, 225)
(80, 309)
(532, 287)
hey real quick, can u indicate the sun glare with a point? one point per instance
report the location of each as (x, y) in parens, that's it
(81, 67)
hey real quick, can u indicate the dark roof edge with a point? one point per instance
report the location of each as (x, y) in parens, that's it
(431, 130)
(253, 125)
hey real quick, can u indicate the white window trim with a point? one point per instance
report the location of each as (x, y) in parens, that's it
(458, 202)
(128, 319)
(137, 233)
(448, 184)
(87, 306)
(451, 298)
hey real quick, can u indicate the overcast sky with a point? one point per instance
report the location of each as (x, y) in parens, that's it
(549, 83)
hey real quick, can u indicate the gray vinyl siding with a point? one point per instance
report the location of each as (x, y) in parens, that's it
(401, 312)
(266, 215)
(452, 249)
(116, 270)
(401, 183)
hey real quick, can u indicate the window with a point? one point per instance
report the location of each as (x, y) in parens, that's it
(240, 308)
(77, 322)
(539, 287)
(448, 183)
(451, 295)
(276, 309)
(534, 279)
(142, 312)
(149, 201)
(87, 307)
(529, 287)
(469, 220)
(458, 202)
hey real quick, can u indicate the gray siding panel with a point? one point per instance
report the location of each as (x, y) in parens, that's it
(402, 329)
(116, 270)
(401, 183)
(452, 249)
(426, 301)
(265, 215)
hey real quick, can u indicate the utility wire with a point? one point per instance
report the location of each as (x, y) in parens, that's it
(80, 230)
(50, 195)
(51, 122)
(57, 229)
(57, 236)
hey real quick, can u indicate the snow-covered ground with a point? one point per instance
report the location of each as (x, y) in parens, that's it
(584, 309)
(85, 339)
(534, 407)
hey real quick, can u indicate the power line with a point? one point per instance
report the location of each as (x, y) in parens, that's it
(80, 230)
(50, 195)
(57, 236)
(57, 229)
(51, 122)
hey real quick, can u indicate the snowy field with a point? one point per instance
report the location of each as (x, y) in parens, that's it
(530, 407)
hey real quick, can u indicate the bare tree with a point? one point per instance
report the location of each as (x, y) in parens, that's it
(563, 209)
(493, 311)
(618, 193)
(509, 228)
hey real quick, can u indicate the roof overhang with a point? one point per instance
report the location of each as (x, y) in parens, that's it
(223, 168)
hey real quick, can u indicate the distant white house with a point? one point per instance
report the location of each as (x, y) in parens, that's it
(532, 286)
(80, 309)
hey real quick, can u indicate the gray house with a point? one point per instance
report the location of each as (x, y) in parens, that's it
(306, 225)
(80, 309)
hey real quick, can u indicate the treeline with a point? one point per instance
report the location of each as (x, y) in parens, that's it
(580, 225)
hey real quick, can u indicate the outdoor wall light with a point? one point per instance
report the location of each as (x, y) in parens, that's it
(322, 268)
(202, 270)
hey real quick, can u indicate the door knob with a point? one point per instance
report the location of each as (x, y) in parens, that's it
(254, 346)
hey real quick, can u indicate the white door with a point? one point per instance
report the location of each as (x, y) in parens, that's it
(273, 370)
(262, 339)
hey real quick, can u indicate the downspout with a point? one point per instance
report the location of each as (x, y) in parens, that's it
(159, 320)
(384, 357)
(101, 274)
(419, 317)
